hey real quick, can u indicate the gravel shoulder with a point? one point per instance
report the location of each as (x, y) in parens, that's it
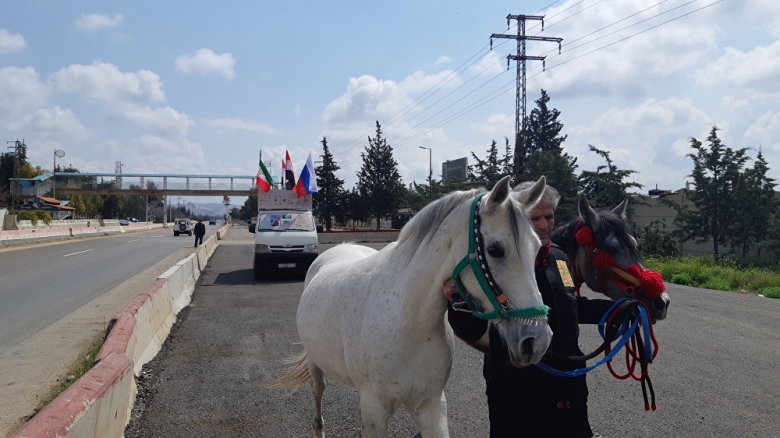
(714, 375)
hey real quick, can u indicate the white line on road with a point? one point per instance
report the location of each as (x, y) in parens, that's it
(74, 253)
(134, 240)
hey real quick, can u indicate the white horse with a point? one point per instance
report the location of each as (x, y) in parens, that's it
(375, 320)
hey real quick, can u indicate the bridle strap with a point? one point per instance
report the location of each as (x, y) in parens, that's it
(481, 270)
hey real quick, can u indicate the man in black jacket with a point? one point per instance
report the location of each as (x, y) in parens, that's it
(528, 402)
(199, 231)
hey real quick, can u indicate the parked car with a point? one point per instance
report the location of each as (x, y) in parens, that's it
(182, 226)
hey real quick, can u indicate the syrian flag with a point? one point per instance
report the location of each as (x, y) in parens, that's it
(284, 172)
(289, 175)
(307, 182)
(264, 179)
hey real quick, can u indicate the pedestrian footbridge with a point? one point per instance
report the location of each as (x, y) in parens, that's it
(69, 183)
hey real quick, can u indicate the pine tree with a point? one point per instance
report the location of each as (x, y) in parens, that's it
(545, 156)
(716, 174)
(543, 128)
(489, 170)
(329, 200)
(379, 182)
(607, 186)
(757, 203)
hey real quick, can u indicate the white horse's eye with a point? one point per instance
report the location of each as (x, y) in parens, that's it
(496, 250)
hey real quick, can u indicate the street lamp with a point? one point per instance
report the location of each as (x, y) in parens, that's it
(430, 167)
(58, 153)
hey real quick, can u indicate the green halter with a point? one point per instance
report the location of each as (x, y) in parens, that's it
(476, 259)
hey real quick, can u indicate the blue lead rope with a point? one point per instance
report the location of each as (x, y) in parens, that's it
(625, 331)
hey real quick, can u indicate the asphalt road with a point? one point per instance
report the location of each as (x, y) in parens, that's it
(715, 374)
(42, 283)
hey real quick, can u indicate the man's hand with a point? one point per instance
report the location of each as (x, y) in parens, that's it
(450, 291)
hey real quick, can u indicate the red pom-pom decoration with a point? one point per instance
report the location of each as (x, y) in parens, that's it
(603, 259)
(652, 282)
(585, 236)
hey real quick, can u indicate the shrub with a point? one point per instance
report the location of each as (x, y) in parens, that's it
(716, 284)
(771, 292)
(682, 278)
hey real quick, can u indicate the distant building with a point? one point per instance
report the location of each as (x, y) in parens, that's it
(56, 208)
(455, 170)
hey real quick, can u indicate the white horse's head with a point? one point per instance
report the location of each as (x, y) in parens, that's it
(505, 247)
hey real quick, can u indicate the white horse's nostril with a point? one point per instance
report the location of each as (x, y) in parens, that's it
(527, 347)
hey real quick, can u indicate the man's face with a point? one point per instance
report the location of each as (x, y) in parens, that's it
(543, 221)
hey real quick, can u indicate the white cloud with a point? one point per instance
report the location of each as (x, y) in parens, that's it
(366, 99)
(764, 133)
(419, 83)
(243, 124)
(758, 69)
(206, 61)
(497, 126)
(491, 64)
(103, 81)
(166, 122)
(618, 60)
(56, 123)
(441, 60)
(652, 138)
(21, 91)
(11, 42)
(98, 21)
(160, 155)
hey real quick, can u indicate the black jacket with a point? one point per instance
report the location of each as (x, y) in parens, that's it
(200, 229)
(527, 401)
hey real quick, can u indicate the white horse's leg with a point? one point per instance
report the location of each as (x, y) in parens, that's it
(317, 387)
(374, 415)
(430, 416)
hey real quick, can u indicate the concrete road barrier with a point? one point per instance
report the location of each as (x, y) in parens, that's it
(100, 402)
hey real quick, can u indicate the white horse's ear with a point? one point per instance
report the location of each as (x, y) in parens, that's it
(499, 193)
(587, 213)
(531, 196)
(620, 210)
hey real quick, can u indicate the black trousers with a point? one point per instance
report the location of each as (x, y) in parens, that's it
(198, 240)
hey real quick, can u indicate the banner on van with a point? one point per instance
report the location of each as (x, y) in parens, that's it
(283, 199)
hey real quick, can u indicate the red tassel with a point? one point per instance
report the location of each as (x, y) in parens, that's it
(652, 282)
(585, 236)
(602, 260)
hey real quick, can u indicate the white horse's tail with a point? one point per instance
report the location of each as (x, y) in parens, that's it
(297, 376)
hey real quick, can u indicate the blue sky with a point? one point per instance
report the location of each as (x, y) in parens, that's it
(201, 87)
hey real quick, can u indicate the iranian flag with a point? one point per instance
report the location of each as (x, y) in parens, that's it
(264, 179)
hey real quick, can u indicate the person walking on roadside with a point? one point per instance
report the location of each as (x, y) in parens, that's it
(199, 231)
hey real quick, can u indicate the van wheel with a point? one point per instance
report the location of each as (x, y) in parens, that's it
(175, 233)
(256, 270)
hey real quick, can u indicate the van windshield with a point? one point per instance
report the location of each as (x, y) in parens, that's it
(285, 221)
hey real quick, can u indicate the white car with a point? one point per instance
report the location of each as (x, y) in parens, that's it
(182, 226)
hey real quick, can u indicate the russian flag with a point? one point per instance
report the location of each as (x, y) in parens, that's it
(307, 182)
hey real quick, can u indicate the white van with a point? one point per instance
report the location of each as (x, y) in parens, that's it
(285, 238)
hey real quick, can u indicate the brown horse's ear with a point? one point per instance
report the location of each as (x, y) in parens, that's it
(587, 213)
(620, 210)
(499, 193)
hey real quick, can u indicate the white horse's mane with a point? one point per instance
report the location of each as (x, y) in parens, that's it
(422, 226)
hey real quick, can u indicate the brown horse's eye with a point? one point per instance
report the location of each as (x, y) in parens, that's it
(496, 251)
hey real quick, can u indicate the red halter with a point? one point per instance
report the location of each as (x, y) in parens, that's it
(630, 279)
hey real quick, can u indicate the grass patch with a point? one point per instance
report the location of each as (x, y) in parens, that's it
(75, 372)
(730, 274)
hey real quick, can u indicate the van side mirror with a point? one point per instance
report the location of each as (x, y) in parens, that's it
(252, 228)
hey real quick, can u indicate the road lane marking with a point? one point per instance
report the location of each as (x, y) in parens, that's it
(74, 253)
(134, 240)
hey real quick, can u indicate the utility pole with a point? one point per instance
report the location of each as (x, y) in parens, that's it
(518, 163)
(20, 155)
